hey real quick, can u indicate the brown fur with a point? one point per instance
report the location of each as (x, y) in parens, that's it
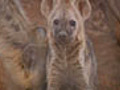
(71, 64)
(19, 43)
(118, 32)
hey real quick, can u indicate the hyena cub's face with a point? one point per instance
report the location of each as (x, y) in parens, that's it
(66, 18)
(64, 25)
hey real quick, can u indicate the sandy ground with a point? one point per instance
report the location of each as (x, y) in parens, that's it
(107, 49)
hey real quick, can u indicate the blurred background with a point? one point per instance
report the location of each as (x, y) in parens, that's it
(103, 28)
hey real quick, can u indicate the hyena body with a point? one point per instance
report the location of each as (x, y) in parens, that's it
(22, 50)
(71, 64)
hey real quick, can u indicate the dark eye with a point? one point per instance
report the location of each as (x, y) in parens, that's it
(72, 23)
(56, 22)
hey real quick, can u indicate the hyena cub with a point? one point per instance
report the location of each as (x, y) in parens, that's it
(22, 50)
(71, 64)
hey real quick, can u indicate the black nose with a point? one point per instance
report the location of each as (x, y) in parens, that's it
(62, 34)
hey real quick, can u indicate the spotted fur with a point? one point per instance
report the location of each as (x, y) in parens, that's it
(19, 43)
(71, 64)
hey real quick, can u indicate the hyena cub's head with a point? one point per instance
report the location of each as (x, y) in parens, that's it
(66, 18)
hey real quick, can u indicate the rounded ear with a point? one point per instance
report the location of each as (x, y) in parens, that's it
(84, 7)
(47, 6)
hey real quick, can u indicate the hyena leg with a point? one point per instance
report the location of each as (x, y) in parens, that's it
(53, 86)
(53, 78)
